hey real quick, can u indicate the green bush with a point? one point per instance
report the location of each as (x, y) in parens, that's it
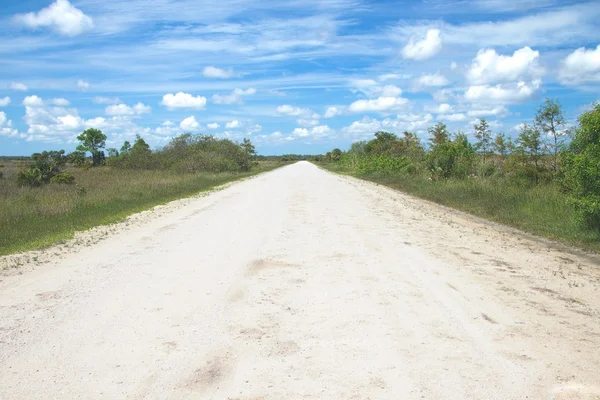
(30, 177)
(581, 168)
(63, 178)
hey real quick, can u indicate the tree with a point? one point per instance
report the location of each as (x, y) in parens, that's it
(43, 168)
(77, 158)
(483, 134)
(248, 147)
(581, 168)
(550, 119)
(126, 148)
(140, 147)
(501, 144)
(530, 142)
(112, 152)
(382, 143)
(439, 134)
(336, 154)
(93, 140)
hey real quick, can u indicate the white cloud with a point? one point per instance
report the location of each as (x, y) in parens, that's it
(380, 104)
(6, 128)
(453, 65)
(233, 124)
(316, 132)
(60, 102)
(213, 125)
(292, 111)
(372, 89)
(423, 49)
(3, 118)
(106, 100)
(332, 112)
(183, 100)
(508, 93)
(432, 80)
(18, 86)
(385, 77)
(234, 98)
(301, 132)
(33, 101)
(443, 108)
(60, 16)
(213, 72)
(4, 101)
(168, 123)
(124, 109)
(452, 117)
(307, 122)
(581, 66)
(83, 85)
(491, 67)
(189, 124)
(366, 127)
(499, 111)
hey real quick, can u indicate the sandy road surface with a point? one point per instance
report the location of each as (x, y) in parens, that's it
(300, 284)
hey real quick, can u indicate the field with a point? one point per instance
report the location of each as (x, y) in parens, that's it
(37, 217)
(537, 209)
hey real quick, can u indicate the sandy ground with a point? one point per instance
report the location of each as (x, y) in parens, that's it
(302, 284)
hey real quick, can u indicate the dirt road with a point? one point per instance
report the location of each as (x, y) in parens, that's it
(300, 284)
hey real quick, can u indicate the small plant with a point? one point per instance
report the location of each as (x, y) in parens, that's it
(63, 178)
(30, 177)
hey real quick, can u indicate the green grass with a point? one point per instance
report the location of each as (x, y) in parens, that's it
(32, 218)
(540, 210)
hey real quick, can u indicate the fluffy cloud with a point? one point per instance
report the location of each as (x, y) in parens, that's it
(307, 122)
(83, 85)
(366, 127)
(380, 104)
(432, 80)
(106, 100)
(61, 16)
(373, 89)
(60, 102)
(508, 93)
(443, 108)
(33, 101)
(234, 98)
(4, 101)
(189, 124)
(423, 49)
(332, 112)
(213, 72)
(456, 117)
(124, 109)
(6, 128)
(233, 124)
(581, 66)
(316, 132)
(499, 111)
(168, 123)
(18, 86)
(213, 125)
(491, 67)
(292, 111)
(183, 100)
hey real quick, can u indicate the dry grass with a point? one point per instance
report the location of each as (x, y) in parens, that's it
(37, 217)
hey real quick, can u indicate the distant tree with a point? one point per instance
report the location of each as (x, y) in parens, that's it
(44, 166)
(93, 140)
(248, 147)
(112, 152)
(126, 148)
(550, 120)
(336, 154)
(483, 134)
(439, 134)
(530, 143)
(140, 147)
(501, 144)
(382, 143)
(77, 158)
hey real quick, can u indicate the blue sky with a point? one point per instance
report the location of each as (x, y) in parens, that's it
(299, 76)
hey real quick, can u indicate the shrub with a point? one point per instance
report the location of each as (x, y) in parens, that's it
(30, 177)
(581, 174)
(64, 178)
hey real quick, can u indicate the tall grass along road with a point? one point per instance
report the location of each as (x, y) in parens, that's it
(302, 284)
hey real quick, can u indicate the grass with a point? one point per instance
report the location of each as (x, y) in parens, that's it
(540, 210)
(33, 218)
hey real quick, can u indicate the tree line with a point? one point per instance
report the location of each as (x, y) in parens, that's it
(185, 153)
(545, 152)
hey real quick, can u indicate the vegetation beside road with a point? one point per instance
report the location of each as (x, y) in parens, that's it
(546, 182)
(41, 210)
